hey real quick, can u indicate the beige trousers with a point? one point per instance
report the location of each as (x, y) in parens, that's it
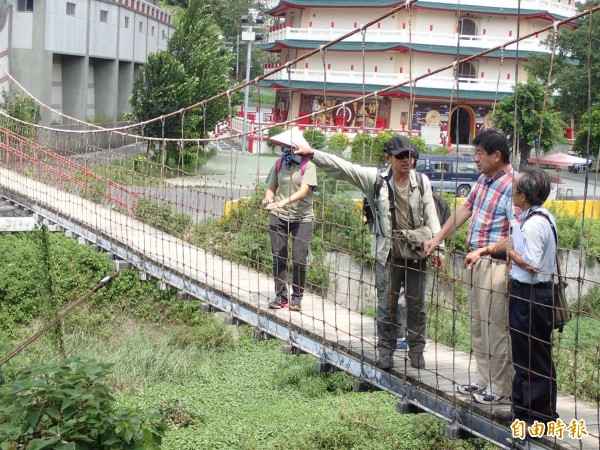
(490, 338)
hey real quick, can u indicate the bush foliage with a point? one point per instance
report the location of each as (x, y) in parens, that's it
(338, 142)
(315, 138)
(69, 406)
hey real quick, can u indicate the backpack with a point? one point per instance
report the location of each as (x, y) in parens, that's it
(441, 206)
(303, 164)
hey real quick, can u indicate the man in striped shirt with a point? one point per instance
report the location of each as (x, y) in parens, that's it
(489, 205)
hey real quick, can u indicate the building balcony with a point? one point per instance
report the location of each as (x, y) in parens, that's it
(388, 79)
(562, 8)
(376, 35)
(147, 9)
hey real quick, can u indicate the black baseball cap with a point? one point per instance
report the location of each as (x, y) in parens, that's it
(401, 144)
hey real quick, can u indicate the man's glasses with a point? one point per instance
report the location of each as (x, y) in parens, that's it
(403, 155)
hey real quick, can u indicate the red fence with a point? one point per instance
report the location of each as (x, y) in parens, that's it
(26, 156)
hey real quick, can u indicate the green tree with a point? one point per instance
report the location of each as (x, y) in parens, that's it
(590, 120)
(570, 67)
(227, 15)
(21, 108)
(198, 44)
(362, 148)
(528, 120)
(162, 86)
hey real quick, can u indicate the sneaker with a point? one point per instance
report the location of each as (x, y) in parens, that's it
(416, 360)
(402, 344)
(278, 304)
(295, 305)
(486, 397)
(385, 361)
(469, 389)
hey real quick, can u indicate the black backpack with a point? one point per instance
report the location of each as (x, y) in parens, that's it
(441, 206)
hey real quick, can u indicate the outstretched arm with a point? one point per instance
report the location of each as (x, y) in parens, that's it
(361, 177)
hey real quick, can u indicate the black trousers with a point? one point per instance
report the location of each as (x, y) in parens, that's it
(301, 234)
(530, 318)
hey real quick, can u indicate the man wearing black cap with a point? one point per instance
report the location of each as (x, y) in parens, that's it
(400, 202)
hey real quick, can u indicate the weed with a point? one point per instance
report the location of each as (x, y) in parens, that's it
(54, 405)
(179, 414)
(301, 374)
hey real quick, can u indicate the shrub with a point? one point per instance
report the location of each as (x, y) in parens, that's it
(273, 132)
(362, 148)
(379, 144)
(315, 138)
(162, 216)
(68, 406)
(24, 274)
(419, 143)
(338, 143)
(95, 191)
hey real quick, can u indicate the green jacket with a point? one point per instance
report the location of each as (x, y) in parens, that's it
(364, 178)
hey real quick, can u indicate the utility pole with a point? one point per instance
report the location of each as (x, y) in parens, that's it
(248, 36)
(237, 58)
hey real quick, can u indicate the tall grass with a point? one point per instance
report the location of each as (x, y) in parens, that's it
(142, 353)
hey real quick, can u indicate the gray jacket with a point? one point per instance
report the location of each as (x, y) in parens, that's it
(364, 178)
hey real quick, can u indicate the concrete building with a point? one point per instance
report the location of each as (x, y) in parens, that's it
(408, 44)
(80, 56)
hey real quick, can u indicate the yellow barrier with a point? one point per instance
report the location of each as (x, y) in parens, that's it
(590, 209)
(230, 205)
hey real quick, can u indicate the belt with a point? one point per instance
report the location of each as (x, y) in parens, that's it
(520, 284)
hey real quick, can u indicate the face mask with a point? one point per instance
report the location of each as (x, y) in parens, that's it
(288, 155)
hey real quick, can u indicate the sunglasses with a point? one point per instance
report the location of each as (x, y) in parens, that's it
(403, 155)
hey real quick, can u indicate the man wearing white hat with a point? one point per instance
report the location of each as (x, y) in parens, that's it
(289, 197)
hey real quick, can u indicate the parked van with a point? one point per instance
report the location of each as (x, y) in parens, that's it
(449, 173)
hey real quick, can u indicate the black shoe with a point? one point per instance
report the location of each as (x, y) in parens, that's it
(416, 360)
(503, 415)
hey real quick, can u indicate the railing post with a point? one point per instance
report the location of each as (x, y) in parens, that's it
(7, 144)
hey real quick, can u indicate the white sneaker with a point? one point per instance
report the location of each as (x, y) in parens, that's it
(486, 397)
(470, 389)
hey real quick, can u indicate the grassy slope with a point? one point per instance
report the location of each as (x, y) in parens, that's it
(256, 397)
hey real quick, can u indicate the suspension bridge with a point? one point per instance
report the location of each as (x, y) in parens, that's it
(70, 186)
(340, 337)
